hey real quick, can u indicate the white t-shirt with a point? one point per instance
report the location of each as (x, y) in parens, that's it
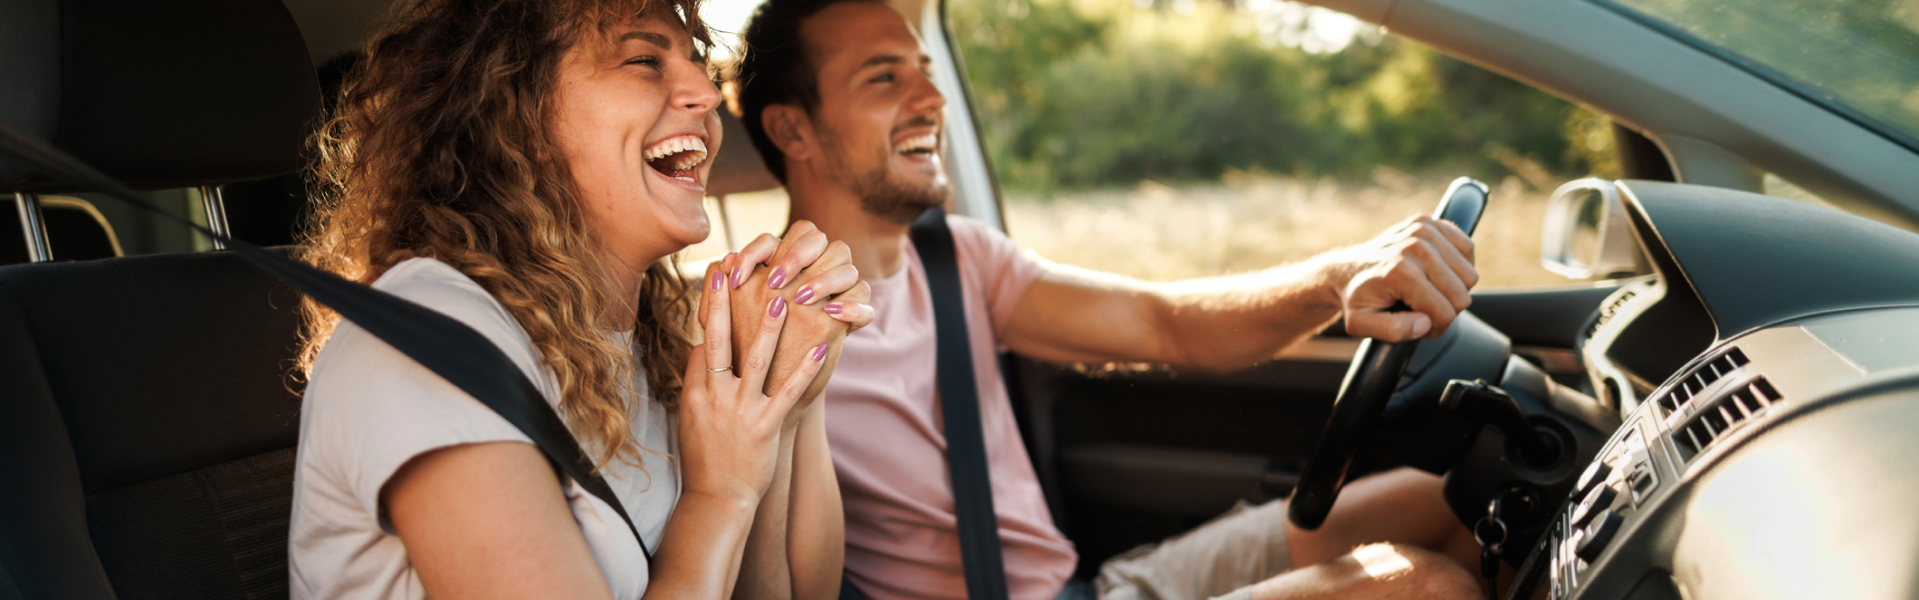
(369, 409)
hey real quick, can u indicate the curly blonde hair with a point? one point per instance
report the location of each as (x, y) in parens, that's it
(439, 146)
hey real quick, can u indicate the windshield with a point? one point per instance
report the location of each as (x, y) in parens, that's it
(1860, 58)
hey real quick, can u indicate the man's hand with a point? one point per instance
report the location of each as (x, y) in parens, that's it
(826, 298)
(1424, 262)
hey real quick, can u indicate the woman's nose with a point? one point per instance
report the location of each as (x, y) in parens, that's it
(694, 90)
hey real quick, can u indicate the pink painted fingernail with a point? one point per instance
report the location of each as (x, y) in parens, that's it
(737, 278)
(805, 295)
(717, 277)
(778, 306)
(777, 279)
(833, 309)
(819, 353)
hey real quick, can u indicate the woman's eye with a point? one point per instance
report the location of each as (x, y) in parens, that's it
(648, 61)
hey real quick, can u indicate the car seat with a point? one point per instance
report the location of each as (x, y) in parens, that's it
(147, 418)
(74, 228)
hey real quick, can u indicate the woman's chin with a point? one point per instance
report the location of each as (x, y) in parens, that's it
(687, 232)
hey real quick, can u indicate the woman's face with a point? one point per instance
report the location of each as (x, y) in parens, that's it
(634, 120)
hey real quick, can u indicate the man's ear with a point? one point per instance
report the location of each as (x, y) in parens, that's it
(791, 129)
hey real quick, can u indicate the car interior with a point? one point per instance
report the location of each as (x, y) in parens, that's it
(1733, 421)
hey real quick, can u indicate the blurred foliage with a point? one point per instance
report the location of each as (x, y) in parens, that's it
(1864, 54)
(1077, 94)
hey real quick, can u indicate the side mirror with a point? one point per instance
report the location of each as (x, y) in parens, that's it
(1586, 233)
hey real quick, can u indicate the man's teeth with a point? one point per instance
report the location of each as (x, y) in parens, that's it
(925, 143)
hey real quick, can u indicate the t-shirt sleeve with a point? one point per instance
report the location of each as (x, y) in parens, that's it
(376, 409)
(1003, 270)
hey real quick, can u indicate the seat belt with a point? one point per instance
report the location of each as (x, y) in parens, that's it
(443, 345)
(978, 524)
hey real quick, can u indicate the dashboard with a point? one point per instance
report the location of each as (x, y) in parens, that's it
(1768, 379)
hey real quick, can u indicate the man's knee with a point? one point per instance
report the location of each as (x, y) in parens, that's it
(1410, 572)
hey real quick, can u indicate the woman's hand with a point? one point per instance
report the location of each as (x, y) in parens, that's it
(806, 264)
(729, 428)
(819, 279)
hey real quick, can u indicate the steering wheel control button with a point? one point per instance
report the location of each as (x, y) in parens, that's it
(1599, 500)
(1604, 527)
(1594, 474)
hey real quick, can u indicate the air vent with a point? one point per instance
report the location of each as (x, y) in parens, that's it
(1607, 312)
(1696, 381)
(1715, 418)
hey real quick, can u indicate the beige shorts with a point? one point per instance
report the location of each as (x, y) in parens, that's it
(1221, 559)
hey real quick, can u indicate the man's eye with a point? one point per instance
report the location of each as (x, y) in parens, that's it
(646, 61)
(882, 78)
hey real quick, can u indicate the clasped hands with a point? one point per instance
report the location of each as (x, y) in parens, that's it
(785, 305)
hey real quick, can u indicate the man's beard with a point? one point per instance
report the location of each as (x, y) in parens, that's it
(897, 201)
(883, 195)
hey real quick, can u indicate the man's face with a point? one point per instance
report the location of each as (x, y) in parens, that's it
(879, 119)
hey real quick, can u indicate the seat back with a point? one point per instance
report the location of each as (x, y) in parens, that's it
(147, 421)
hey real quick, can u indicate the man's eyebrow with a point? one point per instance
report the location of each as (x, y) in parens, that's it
(884, 59)
(649, 37)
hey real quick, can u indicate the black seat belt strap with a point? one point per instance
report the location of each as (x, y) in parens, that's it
(978, 524)
(443, 345)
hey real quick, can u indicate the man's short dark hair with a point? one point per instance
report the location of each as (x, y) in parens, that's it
(775, 69)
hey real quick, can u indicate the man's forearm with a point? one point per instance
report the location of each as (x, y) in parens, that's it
(763, 568)
(700, 555)
(1230, 323)
(816, 536)
(1215, 324)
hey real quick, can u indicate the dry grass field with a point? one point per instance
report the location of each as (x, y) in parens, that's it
(1243, 223)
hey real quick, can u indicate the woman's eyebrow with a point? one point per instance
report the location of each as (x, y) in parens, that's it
(649, 37)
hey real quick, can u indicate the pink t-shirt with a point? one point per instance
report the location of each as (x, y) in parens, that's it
(883, 419)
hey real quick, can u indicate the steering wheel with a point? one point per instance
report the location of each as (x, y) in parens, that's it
(1368, 387)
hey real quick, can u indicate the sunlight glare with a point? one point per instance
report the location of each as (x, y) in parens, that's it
(727, 18)
(1381, 561)
(1310, 28)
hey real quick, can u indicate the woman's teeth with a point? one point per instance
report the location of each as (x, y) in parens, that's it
(676, 157)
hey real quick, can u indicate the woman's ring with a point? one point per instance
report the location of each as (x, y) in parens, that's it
(719, 369)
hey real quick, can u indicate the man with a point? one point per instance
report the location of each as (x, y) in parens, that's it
(837, 97)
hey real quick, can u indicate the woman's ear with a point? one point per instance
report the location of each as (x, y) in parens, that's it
(791, 129)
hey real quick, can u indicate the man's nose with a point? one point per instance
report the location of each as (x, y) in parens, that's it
(925, 96)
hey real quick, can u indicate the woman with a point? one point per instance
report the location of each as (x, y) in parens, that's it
(528, 167)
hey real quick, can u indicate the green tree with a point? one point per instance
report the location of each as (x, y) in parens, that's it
(1095, 93)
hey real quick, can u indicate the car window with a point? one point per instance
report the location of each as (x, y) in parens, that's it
(1779, 187)
(1860, 59)
(1168, 139)
(140, 232)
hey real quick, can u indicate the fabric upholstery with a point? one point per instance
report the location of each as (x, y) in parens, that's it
(150, 358)
(146, 406)
(215, 532)
(44, 548)
(168, 94)
(29, 64)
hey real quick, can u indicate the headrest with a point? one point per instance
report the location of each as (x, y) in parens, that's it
(158, 94)
(738, 169)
